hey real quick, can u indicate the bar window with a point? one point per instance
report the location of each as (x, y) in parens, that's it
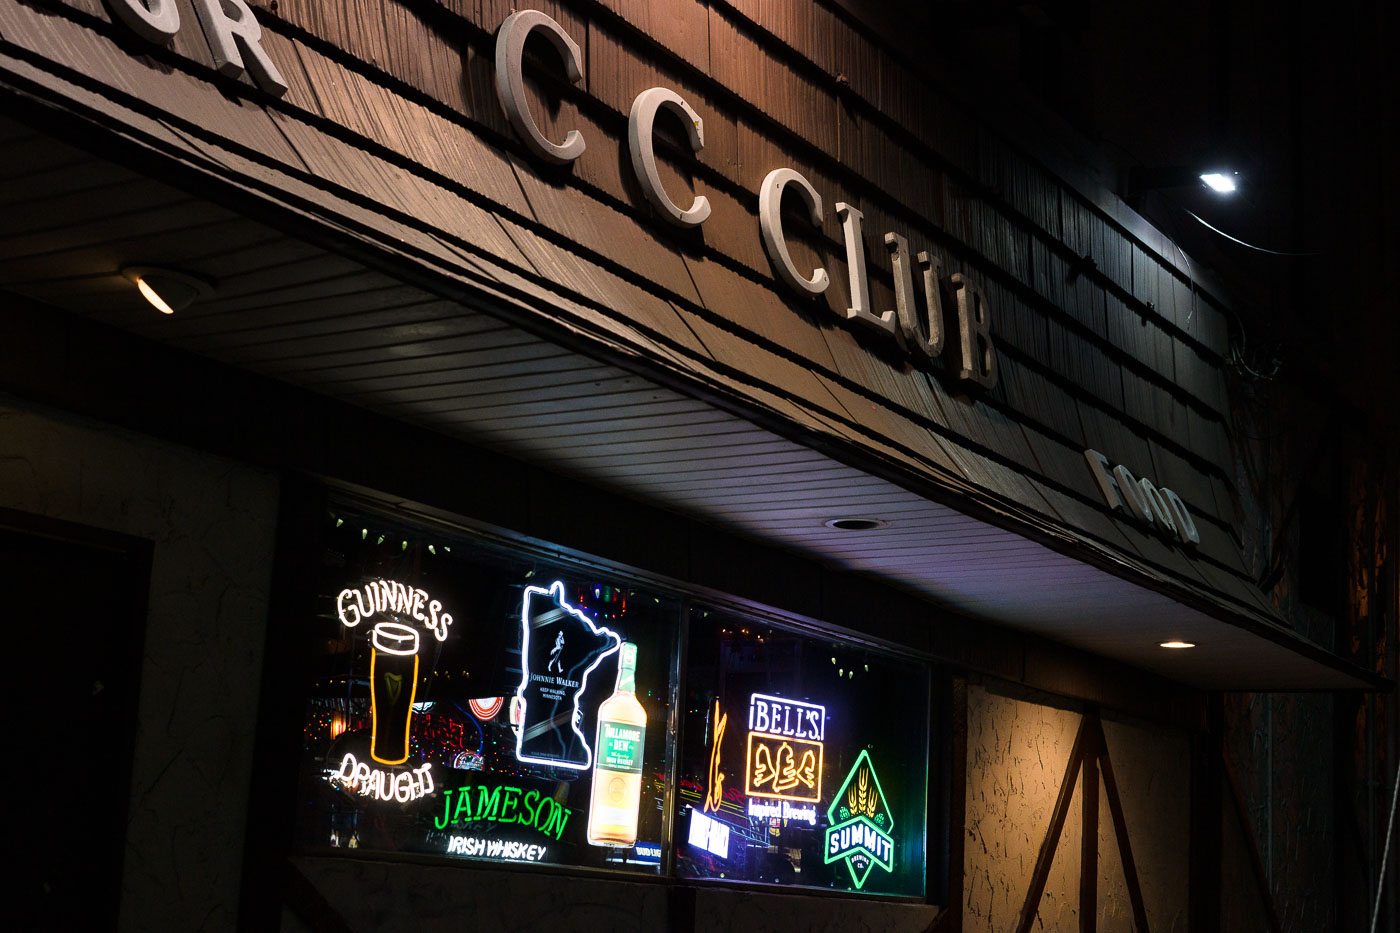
(467, 702)
(805, 761)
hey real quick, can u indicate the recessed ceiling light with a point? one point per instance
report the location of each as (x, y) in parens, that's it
(168, 290)
(856, 524)
(1178, 644)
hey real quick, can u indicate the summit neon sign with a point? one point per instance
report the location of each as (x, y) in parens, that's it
(861, 824)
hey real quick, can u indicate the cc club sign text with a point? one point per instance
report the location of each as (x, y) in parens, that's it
(916, 322)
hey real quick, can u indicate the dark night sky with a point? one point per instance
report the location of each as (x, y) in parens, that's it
(1304, 96)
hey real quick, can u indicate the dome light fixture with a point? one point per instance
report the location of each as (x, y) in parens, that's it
(168, 290)
(1178, 644)
(1221, 182)
(1226, 176)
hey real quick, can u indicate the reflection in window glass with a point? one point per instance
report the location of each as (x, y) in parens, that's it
(467, 703)
(804, 762)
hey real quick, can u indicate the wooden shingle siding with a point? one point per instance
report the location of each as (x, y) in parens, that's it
(1103, 342)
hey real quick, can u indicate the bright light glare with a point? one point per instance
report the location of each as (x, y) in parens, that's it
(156, 301)
(1178, 644)
(1219, 183)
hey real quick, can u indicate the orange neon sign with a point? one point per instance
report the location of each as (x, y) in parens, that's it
(715, 795)
(785, 749)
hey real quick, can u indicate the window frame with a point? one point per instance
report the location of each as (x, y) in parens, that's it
(938, 881)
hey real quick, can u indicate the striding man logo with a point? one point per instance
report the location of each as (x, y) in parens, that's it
(554, 664)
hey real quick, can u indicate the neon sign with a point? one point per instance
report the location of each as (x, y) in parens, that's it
(486, 708)
(559, 648)
(393, 660)
(861, 823)
(403, 786)
(503, 804)
(353, 606)
(708, 834)
(715, 795)
(783, 810)
(495, 848)
(783, 717)
(785, 748)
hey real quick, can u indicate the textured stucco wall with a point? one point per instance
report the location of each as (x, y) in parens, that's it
(1017, 753)
(213, 523)
(1153, 767)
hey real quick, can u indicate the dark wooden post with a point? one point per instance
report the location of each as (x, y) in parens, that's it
(1206, 780)
(1052, 835)
(1089, 827)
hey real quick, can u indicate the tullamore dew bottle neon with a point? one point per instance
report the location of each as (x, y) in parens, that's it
(617, 760)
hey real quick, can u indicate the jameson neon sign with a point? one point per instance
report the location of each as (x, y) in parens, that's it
(785, 748)
(503, 804)
(915, 325)
(861, 824)
(495, 848)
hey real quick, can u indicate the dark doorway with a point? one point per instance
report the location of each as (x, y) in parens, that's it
(75, 606)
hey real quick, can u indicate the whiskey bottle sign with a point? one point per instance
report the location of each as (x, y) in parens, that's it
(620, 746)
(861, 824)
(617, 768)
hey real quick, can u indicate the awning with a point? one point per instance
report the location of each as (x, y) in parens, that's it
(496, 306)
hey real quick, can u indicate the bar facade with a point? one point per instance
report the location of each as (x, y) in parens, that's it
(655, 466)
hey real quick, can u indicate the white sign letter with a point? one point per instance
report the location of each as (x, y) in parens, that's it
(1158, 504)
(235, 39)
(770, 223)
(1185, 525)
(1098, 465)
(155, 20)
(859, 309)
(510, 82)
(924, 334)
(979, 356)
(640, 123)
(1133, 494)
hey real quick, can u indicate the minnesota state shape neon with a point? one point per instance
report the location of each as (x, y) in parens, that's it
(556, 592)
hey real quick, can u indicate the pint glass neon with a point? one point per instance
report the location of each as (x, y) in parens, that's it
(393, 682)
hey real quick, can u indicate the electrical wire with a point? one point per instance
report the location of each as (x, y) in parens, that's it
(1190, 278)
(1385, 853)
(1234, 239)
(1235, 356)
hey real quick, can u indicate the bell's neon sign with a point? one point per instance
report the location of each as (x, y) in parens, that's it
(785, 748)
